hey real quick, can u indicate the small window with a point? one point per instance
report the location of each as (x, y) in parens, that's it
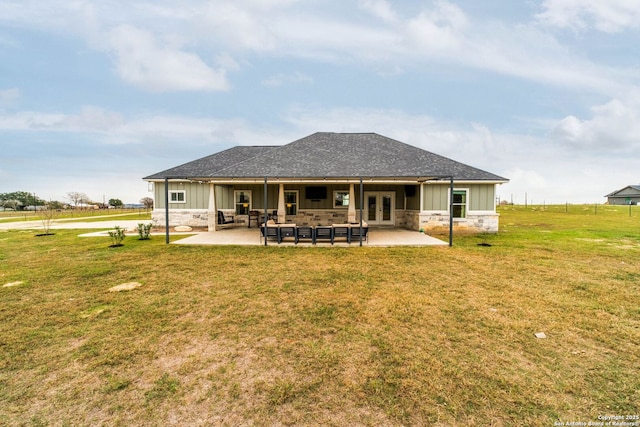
(459, 203)
(243, 202)
(340, 199)
(291, 202)
(177, 196)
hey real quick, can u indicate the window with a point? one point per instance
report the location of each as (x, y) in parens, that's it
(459, 203)
(340, 199)
(291, 202)
(177, 196)
(243, 202)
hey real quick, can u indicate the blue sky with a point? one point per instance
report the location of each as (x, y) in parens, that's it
(94, 95)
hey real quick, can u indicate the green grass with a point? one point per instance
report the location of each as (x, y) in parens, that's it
(327, 336)
(86, 215)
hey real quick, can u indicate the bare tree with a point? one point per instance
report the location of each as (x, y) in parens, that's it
(147, 202)
(48, 216)
(77, 198)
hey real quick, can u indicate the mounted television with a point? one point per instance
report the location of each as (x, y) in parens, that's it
(316, 193)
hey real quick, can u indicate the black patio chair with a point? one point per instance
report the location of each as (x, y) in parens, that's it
(225, 219)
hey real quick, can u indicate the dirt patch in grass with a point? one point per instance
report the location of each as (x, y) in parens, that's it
(12, 284)
(125, 287)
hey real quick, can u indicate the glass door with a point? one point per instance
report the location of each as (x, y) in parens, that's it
(380, 208)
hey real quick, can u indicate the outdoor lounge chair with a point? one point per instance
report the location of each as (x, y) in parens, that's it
(225, 219)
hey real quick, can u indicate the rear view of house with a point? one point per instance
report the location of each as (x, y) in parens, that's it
(322, 179)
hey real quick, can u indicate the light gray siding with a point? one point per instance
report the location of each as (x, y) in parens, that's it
(436, 198)
(481, 197)
(196, 195)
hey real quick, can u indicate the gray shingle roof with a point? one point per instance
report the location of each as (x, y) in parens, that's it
(330, 155)
(213, 163)
(616, 193)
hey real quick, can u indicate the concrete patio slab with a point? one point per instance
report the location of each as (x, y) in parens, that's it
(251, 237)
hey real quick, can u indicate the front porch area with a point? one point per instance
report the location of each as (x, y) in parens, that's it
(380, 237)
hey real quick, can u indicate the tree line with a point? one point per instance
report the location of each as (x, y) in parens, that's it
(24, 200)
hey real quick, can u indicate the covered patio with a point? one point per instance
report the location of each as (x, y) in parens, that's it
(378, 237)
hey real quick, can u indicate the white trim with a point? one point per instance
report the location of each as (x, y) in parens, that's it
(379, 196)
(439, 212)
(333, 201)
(235, 200)
(482, 213)
(175, 202)
(466, 201)
(297, 203)
(366, 180)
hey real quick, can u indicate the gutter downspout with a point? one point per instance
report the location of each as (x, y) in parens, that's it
(361, 207)
(166, 209)
(265, 211)
(451, 210)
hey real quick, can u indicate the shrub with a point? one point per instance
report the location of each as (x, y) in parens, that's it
(117, 236)
(144, 230)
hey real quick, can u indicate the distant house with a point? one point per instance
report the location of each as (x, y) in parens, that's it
(317, 180)
(629, 195)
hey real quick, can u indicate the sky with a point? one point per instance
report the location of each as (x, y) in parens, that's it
(97, 94)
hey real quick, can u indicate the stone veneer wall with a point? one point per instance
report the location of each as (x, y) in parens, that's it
(485, 222)
(190, 217)
(411, 220)
(318, 217)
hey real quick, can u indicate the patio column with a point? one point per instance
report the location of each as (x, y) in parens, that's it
(282, 218)
(351, 213)
(212, 214)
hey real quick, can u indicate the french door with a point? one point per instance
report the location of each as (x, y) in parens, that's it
(380, 207)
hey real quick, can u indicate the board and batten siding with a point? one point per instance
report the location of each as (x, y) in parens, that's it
(196, 195)
(481, 197)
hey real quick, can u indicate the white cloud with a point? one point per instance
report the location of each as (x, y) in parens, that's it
(605, 15)
(613, 128)
(379, 8)
(141, 62)
(440, 28)
(160, 45)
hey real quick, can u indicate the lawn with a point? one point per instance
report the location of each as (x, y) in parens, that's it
(327, 336)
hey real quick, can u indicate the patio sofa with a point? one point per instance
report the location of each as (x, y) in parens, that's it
(330, 233)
